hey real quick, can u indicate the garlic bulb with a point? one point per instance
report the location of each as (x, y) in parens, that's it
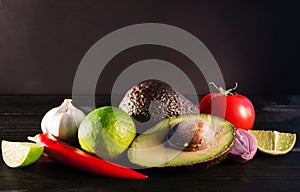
(63, 121)
(245, 146)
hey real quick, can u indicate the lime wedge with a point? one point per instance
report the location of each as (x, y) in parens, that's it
(274, 142)
(20, 154)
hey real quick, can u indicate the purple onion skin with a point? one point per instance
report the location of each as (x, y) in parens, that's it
(244, 148)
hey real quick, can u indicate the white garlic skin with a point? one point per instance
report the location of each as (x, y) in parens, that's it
(63, 121)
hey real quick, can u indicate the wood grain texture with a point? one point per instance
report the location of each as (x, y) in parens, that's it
(20, 116)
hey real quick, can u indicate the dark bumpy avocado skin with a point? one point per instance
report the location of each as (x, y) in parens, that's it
(155, 99)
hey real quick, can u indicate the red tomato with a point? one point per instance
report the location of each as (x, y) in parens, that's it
(236, 108)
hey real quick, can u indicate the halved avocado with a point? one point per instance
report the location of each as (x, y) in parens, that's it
(151, 149)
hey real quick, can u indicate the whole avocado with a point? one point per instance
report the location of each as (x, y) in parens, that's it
(156, 100)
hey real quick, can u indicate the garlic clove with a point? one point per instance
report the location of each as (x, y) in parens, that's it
(244, 148)
(48, 117)
(67, 128)
(63, 121)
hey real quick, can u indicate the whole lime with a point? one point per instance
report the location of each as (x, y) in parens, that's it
(106, 132)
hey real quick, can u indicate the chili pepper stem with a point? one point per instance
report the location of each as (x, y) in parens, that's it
(34, 139)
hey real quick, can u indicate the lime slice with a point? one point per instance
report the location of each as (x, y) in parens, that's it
(20, 154)
(274, 142)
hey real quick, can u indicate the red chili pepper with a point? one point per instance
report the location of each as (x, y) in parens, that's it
(76, 158)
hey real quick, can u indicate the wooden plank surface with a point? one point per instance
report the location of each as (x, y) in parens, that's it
(20, 116)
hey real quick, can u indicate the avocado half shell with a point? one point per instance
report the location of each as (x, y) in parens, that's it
(151, 149)
(157, 100)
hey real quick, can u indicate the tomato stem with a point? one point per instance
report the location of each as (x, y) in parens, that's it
(223, 91)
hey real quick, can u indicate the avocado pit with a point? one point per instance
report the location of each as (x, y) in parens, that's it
(191, 135)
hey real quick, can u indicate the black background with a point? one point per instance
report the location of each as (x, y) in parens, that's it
(254, 42)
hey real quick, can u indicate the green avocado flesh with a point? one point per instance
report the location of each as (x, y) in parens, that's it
(151, 149)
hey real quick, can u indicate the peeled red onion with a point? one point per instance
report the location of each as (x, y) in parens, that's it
(245, 146)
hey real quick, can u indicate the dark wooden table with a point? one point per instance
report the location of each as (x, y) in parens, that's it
(20, 116)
